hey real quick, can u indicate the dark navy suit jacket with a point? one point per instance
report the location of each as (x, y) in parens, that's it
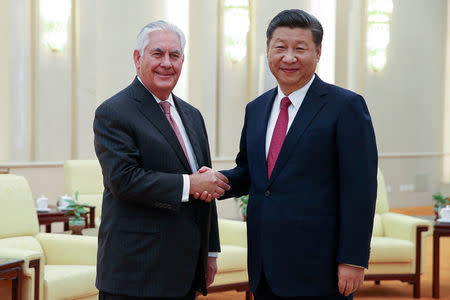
(149, 243)
(317, 208)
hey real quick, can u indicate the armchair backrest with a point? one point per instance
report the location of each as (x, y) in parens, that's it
(85, 176)
(18, 215)
(382, 205)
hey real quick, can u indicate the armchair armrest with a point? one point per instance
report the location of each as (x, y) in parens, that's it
(233, 232)
(27, 256)
(62, 249)
(403, 226)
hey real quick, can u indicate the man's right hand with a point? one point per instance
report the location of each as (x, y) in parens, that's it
(208, 182)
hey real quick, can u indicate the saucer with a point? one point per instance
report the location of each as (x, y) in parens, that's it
(443, 220)
(42, 209)
(63, 208)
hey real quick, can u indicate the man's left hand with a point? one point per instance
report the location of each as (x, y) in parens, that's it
(350, 278)
(211, 270)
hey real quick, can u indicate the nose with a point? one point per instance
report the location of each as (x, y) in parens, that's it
(165, 61)
(289, 57)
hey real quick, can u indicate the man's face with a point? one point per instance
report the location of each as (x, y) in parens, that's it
(292, 57)
(160, 65)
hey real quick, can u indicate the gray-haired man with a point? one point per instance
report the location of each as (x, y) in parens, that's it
(155, 240)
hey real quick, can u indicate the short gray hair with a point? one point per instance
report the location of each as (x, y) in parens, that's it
(143, 36)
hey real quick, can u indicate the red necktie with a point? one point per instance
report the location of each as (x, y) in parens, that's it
(166, 108)
(279, 133)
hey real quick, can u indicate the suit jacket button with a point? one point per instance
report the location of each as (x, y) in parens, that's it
(267, 193)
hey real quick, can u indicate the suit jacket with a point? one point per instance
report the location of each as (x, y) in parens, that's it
(317, 208)
(149, 243)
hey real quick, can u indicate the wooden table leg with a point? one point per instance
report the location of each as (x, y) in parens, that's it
(48, 228)
(436, 265)
(17, 285)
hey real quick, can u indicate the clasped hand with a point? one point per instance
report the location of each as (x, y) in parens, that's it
(208, 184)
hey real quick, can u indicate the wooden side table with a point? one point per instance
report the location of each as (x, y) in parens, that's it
(53, 216)
(11, 269)
(440, 229)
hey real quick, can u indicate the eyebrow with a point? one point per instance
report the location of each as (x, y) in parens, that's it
(175, 51)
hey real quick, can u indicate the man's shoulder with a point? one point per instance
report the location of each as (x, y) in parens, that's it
(185, 105)
(341, 92)
(263, 98)
(117, 101)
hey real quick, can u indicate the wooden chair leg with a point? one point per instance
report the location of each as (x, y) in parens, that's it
(248, 295)
(416, 289)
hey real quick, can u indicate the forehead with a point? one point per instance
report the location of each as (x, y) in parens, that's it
(296, 34)
(166, 40)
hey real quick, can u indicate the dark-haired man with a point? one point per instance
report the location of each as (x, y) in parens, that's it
(308, 160)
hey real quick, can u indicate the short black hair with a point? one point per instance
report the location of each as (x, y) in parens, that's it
(296, 18)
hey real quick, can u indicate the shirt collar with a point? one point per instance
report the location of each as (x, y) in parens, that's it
(297, 96)
(169, 99)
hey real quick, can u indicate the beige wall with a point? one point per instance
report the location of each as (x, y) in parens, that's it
(409, 100)
(4, 81)
(406, 100)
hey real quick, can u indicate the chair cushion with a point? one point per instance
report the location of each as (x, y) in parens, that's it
(230, 278)
(232, 258)
(390, 268)
(21, 242)
(69, 281)
(18, 215)
(392, 250)
(377, 226)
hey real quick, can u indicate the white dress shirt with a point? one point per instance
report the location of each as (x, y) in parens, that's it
(296, 100)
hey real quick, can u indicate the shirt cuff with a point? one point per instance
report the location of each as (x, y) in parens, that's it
(186, 186)
(354, 266)
(213, 254)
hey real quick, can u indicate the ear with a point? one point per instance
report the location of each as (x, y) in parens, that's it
(136, 58)
(318, 52)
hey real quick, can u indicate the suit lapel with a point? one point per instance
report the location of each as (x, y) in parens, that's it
(262, 131)
(309, 108)
(151, 110)
(191, 126)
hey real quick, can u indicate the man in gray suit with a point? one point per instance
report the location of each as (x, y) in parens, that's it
(155, 240)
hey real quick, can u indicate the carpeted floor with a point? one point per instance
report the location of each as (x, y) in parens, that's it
(392, 290)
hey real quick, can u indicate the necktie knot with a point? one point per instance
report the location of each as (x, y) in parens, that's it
(165, 106)
(285, 102)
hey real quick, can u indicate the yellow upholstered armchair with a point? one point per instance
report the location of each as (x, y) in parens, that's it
(85, 176)
(398, 244)
(56, 266)
(232, 261)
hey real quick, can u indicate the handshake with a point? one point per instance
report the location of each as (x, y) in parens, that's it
(208, 184)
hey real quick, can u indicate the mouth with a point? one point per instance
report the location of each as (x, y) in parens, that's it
(164, 75)
(289, 70)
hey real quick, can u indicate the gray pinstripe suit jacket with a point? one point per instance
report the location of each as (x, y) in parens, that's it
(149, 243)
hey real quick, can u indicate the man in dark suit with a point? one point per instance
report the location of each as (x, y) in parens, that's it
(155, 241)
(308, 161)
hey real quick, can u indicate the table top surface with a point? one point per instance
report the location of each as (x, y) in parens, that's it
(4, 262)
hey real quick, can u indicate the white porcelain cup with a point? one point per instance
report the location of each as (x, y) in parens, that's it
(42, 202)
(445, 213)
(63, 201)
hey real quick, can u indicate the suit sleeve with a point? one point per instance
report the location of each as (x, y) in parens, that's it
(358, 160)
(123, 175)
(214, 240)
(239, 177)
